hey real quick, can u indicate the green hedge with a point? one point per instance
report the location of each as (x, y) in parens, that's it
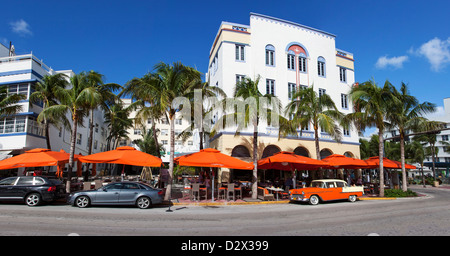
(399, 193)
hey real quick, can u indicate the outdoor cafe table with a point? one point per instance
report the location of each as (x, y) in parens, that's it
(275, 190)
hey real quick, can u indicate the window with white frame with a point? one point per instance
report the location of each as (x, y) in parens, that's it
(444, 137)
(344, 101)
(270, 54)
(322, 92)
(179, 121)
(291, 61)
(291, 90)
(302, 63)
(342, 74)
(346, 132)
(239, 78)
(270, 86)
(79, 137)
(321, 66)
(240, 52)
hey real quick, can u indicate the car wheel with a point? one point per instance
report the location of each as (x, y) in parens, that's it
(352, 198)
(143, 202)
(33, 199)
(82, 201)
(314, 200)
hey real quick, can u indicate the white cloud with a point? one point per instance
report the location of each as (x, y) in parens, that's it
(21, 27)
(385, 61)
(437, 52)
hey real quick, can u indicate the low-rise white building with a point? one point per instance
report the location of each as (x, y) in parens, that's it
(20, 73)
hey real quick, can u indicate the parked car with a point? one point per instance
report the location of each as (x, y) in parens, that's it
(326, 190)
(32, 189)
(118, 193)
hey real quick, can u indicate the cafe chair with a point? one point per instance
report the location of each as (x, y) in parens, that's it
(86, 185)
(238, 192)
(221, 192)
(285, 194)
(230, 189)
(195, 191)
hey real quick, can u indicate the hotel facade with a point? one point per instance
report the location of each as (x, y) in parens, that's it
(22, 132)
(286, 56)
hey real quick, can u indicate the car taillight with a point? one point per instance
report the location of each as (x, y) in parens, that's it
(51, 189)
(160, 192)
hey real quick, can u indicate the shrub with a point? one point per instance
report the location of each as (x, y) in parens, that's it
(399, 193)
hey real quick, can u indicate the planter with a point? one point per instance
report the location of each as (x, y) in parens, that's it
(436, 184)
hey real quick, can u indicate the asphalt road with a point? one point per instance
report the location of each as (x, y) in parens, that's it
(423, 216)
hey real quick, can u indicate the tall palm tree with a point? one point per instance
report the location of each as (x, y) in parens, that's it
(76, 101)
(371, 105)
(206, 91)
(8, 103)
(308, 107)
(416, 154)
(407, 115)
(255, 105)
(118, 122)
(145, 100)
(172, 81)
(45, 94)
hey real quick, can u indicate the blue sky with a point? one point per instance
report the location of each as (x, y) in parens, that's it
(397, 40)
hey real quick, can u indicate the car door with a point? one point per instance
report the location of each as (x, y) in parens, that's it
(329, 191)
(108, 194)
(340, 185)
(128, 193)
(22, 187)
(7, 186)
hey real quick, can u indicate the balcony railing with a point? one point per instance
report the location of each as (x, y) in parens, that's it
(25, 57)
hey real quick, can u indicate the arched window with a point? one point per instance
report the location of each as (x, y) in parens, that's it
(240, 151)
(321, 66)
(325, 152)
(270, 151)
(270, 55)
(301, 151)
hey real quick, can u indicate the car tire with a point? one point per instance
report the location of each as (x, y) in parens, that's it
(144, 202)
(314, 200)
(352, 198)
(82, 201)
(33, 199)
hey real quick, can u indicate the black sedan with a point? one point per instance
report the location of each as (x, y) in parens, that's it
(32, 189)
(118, 193)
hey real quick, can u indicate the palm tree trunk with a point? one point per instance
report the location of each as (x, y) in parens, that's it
(255, 163)
(433, 155)
(90, 139)
(72, 151)
(168, 194)
(402, 155)
(47, 134)
(316, 141)
(155, 138)
(380, 155)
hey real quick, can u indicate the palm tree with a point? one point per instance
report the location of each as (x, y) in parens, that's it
(172, 81)
(45, 93)
(307, 107)
(118, 122)
(144, 94)
(76, 101)
(416, 154)
(205, 91)
(371, 105)
(252, 114)
(8, 103)
(407, 115)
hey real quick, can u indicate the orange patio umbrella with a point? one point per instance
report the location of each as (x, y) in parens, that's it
(289, 161)
(36, 158)
(337, 161)
(212, 158)
(123, 155)
(374, 162)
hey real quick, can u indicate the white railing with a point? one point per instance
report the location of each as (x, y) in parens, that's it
(25, 57)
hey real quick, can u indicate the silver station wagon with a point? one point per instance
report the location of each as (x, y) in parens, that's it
(118, 193)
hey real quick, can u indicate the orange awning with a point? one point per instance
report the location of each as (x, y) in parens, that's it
(123, 155)
(212, 158)
(340, 161)
(36, 158)
(289, 161)
(374, 162)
